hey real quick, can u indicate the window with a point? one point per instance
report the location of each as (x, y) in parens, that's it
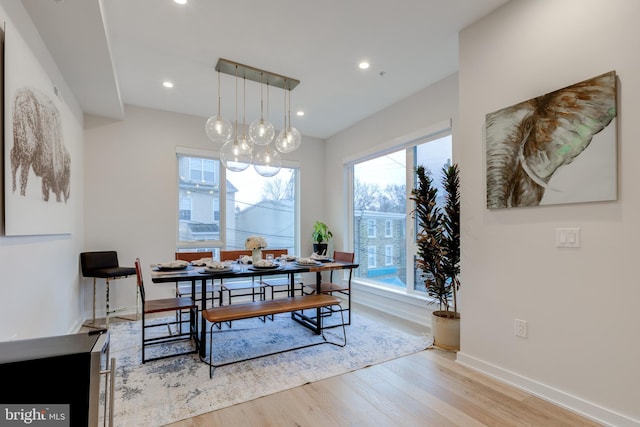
(185, 208)
(202, 170)
(198, 199)
(371, 228)
(263, 206)
(380, 186)
(388, 228)
(371, 256)
(220, 209)
(388, 254)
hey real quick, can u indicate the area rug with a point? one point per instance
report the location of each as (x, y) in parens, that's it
(168, 390)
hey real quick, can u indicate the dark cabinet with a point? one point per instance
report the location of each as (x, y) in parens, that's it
(57, 377)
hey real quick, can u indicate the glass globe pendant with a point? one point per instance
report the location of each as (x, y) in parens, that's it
(267, 163)
(217, 128)
(236, 155)
(289, 139)
(261, 131)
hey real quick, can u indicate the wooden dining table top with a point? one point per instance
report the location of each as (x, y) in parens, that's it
(243, 270)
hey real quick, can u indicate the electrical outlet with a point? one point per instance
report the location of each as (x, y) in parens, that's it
(520, 328)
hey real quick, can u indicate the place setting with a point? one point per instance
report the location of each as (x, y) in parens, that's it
(321, 257)
(216, 267)
(306, 262)
(265, 264)
(172, 265)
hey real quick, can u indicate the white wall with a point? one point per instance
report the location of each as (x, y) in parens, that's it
(131, 191)
(581, 305)
(403, 121)
(39, 284)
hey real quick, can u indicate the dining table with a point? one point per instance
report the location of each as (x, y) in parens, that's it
(195, 274)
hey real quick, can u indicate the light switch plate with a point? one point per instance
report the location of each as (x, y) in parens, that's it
(567, 237)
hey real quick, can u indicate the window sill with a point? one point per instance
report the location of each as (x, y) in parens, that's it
(415, 308)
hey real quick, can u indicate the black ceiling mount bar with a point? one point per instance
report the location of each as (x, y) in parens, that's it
(257, 75)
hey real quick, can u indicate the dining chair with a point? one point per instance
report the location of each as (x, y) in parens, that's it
(342, 287)
(165, 305)
(104, 265)
(279, 283)
(183, 288)
(241, 287)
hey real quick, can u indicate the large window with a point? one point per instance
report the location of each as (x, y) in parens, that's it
(220, 209)
(262, 206)
(381, 186)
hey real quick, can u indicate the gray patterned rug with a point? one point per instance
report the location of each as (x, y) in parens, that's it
(164, 391)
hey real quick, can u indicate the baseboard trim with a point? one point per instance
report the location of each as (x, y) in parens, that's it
(572, 403)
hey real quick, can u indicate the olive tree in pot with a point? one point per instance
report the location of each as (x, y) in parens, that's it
(321, 235)
(438, 242)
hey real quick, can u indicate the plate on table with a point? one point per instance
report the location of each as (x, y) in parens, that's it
(172, 266)
(307, 263)
(321, 258)
(226, 269)
(265, 267)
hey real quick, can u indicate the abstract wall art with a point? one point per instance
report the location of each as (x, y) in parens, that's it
(37, 160)
(556, 148)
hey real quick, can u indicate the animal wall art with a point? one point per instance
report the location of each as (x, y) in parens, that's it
(533, 148)
(38, 145)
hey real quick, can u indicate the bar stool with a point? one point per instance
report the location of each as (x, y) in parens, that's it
(104, 265)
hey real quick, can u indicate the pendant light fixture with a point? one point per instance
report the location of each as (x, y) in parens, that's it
(217, 128)
(261, 131)
(289, 138)
(236, 154)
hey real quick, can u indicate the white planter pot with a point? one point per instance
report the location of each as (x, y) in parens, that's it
(446, 330)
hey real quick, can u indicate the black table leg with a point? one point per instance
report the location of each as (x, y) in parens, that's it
(318, 310)
(203, 324)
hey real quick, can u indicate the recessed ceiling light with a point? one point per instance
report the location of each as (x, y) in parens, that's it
(180, 1)
(167, 84)
(300, 113)
(363, 65)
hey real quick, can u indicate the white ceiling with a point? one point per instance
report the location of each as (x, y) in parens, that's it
(120, 51)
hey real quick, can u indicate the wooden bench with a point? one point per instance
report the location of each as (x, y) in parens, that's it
(228, 313)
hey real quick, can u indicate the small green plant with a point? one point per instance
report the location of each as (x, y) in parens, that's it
(321, 232)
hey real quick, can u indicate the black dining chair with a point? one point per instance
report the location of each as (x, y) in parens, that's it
(104, 265)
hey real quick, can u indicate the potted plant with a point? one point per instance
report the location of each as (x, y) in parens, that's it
(438, 242)
(321, 235)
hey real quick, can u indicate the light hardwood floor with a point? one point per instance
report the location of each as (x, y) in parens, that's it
(424, 389)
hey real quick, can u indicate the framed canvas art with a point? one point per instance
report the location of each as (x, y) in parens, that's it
(557, 148)
(37, 160)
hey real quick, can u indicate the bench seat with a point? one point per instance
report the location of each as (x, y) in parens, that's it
(248, 310)
(228, 313)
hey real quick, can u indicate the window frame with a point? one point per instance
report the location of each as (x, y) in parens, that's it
(371, 228)
(216, 245)
(422, 136)
(388, 228)
(388, 254)
(372, 254)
